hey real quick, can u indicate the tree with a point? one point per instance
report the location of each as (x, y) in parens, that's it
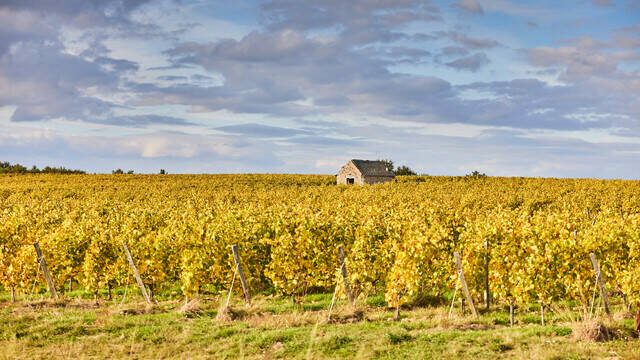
(130, 172)
(388, 163)
(163, 172)
(404, 170)
(476, 174)
(7, 168)
(117, 171)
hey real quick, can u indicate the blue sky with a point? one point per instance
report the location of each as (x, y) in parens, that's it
(509, 88)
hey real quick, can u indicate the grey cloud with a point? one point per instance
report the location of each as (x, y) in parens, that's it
(453, 51)
(259, 130)
(472, 63)
(199, 77)
(173, 78)
(359, 21)
(143, 120)
(324, 141)
(118, 65)
(338, 100)
(471, 6)
(580, 62)
(81, 13)
(469, 42)
(603, 3)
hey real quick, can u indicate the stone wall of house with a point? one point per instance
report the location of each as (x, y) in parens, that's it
(349, 171)
(377, 179)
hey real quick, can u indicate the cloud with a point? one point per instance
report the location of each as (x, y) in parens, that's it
(260, 131)
(358, 21)
(603, 3)
(471, 6)
(581, 61)
(173, 78)
(469, 42)
(472, 63)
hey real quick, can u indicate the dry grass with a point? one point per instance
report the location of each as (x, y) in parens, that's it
(191, 307)
(591, 330)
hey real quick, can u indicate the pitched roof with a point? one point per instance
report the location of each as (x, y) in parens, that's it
(372, 168)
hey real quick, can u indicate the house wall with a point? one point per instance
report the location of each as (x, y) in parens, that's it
(347, 171)
(377, 179)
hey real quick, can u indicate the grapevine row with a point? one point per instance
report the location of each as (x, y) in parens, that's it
(399, 237)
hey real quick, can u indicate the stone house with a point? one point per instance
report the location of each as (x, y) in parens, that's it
(364, 172)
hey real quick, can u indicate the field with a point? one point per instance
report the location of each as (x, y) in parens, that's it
(399, 241)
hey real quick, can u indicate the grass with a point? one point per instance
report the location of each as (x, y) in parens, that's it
(273, 327)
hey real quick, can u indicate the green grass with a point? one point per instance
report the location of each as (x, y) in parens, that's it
(274, 327)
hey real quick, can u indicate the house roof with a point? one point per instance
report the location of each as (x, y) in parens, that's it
(372, 168)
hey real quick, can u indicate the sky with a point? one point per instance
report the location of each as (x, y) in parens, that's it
(504, 87)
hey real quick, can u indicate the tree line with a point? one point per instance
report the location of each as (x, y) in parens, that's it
(8, 168)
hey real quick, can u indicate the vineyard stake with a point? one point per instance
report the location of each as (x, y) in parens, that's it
(600, 281)
(511, 312)
(333, 301)
(45, 270)
(398, 307)
(486, 273)
(136, 274)
(13, 293)
(231, 288)
(245, 288)
(463, 283)
(453, 300)
(542, 313)
(345, 275)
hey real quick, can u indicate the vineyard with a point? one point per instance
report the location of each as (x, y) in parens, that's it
(399, 238)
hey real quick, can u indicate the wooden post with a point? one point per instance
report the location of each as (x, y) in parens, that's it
(45, 270)
(13, 293)
(398, 307)
(70, 288)
(462, 305)
(245, 288)
(486, 274)
(136, 274)
(603, 290)
(463, 282)
(511, 312)
(542, 313)
(345, 275)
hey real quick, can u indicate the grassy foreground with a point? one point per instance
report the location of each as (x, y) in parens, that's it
(274, 327)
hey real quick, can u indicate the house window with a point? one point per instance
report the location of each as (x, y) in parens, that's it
(350, 180)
